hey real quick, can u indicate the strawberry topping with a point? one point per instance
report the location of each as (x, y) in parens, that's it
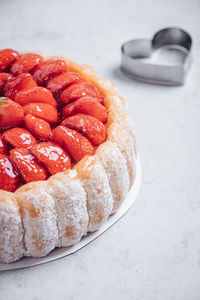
(11, 113)
(7, 56)
(62, 81)
(53, 157)
(9, 178)
(79, 90)
(39, 127)
(4, 77)
(86, 105)
(74, 143)
(19, 138)
(27, 165)
(33, 141)
(3, 145)
(89, 126)
(49, 69)
(26, 63)
(35, 95)
(43, 111)
(19, 83)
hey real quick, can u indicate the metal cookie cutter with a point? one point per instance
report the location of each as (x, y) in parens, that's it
(163, 60)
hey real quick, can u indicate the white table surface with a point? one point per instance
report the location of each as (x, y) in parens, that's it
(153, 252)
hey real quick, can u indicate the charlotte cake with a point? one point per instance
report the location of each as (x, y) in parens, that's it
(67, 153)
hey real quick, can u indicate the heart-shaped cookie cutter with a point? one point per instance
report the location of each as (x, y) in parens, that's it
(168, 41)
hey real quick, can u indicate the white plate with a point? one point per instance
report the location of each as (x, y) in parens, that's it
(61, 252)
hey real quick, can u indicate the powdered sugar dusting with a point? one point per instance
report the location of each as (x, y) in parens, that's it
(125, 143)
(116, 169)
(71, 207)
(40, 222)
(11, 232)
(99, 195)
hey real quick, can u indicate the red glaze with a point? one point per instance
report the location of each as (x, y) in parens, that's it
(49, 69)
(89, 126)
(62, 81)
(9, 178)
(4, 77)
(19, 83)
(25, 63)
(3, 145)
(27, 165)
(73, 142)
(43, 111)
(11, 113)
(79, 90)
(40, 128)
(36, 95)
(7, 56)
(86, 105)
(53, 157)
(19, 138)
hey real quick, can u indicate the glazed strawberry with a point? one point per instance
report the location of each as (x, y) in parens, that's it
(7, 56)
(9, 178)
(27, 165)
(35, 95)
(89, 126)
(49, 69)
(4, 77)
(40, 128)
(35, 109)
(43, 111)
(25, 63)
(3, 145)
(86, 105)
(73, 142)
(11, 113)
(19, 83)
(79, 90)
(62, 81)
(52, 156)
(19, 138)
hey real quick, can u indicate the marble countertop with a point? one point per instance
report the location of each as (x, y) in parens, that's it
(153, 252)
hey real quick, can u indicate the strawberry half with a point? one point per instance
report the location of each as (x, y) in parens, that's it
(77, 145)
(89, 126)
(27, 165)
(26, 63)
(43, 111)
(3, 145)
(21, 82)
(53, 157)
(4, 77)
(9, 178)
(49, 69)
(79, 90)
(62, 81)
(19, 138)
(86, 105)
(39, 127)
(7, 56)
(36, 95)
(11, 113)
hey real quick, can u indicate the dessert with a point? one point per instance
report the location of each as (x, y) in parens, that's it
(67, 153)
